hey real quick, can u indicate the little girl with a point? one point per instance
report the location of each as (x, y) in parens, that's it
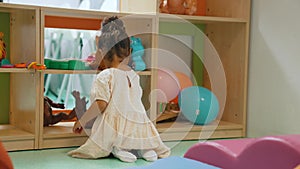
(122, 126)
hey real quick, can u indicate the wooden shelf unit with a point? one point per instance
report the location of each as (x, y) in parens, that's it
(21, 91)
(226, 26)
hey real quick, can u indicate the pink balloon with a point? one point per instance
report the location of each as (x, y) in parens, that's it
(167, 84)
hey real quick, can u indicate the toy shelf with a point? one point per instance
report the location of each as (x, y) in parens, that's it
(19, 86)
(226, 25)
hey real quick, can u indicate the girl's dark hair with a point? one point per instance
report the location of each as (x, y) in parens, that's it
(114, 39)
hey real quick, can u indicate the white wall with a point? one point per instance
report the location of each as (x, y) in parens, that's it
(138, 6)
(274, 76)
(102, 5)
(53, 3)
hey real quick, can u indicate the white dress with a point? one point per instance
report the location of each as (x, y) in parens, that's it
(124, 123)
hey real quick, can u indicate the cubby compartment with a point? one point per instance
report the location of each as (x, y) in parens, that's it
(216, 54)
(61, 83)
(19, 86)
(20, 131)
(77, 29)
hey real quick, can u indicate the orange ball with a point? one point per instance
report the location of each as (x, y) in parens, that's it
(184, 82)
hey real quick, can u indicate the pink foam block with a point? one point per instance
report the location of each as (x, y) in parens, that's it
(276, 152)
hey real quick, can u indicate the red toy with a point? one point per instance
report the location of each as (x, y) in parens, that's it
(5, 161)
(187, 7)
(20, 65)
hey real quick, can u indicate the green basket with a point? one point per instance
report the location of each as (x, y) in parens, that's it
(59, 64)
(76, 65)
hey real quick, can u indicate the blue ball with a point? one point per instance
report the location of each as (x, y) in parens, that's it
(198, 104)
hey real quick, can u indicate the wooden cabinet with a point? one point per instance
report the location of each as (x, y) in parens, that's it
(223, 32)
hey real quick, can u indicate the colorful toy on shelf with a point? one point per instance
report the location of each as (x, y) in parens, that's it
(67, 64)
(2, 47)
(36, 66)
(6, 64)
(137, 62)
(199, 105)
(20, 65)
(187, 7)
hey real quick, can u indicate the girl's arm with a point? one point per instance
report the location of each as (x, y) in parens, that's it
(98, 63)
(97, 107)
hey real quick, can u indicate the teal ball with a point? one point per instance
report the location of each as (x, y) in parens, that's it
(198, 105)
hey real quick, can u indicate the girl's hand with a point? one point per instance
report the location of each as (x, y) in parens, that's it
(77, 128)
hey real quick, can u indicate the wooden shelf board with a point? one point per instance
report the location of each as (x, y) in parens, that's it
(203, 135)
(75, 13)
(10, 6)
(60, 71)
(61, 130)
(183, 126)
(186, 131)
(144, 73)
(62, 142)
(57, 71)
(10, 132)
(82, 13)
(199, 19)
(64, 129)
(16, 70)
(15, 145)
(88, 20)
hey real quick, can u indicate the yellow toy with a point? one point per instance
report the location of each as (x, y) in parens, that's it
(36, 66)
(2, 47)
